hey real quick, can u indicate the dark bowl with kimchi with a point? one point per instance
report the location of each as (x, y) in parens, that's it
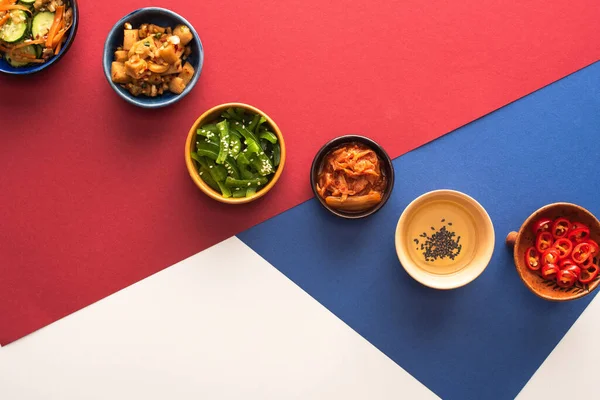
(352, 176)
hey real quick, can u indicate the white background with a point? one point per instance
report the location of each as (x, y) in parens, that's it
(223, 324)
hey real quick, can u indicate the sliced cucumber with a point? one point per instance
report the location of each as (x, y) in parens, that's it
(42, 22)
(15, 28)
(31, 50)
(27, 2)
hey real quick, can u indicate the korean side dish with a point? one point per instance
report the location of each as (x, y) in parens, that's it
(351, 178)
(237, 154)
(563, 252)
(33, 31)
(152, 60)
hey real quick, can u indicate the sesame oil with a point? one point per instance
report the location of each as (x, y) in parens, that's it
(441, 237)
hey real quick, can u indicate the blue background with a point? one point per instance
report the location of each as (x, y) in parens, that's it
(483, 341)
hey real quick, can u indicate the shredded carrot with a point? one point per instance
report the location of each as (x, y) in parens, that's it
(54, 28)
(4, 19)
(57, 50)
(58, 37)
(26, 43)
(23, 55)
(6, 7)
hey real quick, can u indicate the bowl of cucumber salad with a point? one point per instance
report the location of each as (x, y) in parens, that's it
(235, 153)
(35, 34)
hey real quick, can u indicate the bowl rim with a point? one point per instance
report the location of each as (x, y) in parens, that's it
(327, 147)
(520, 271)
(107, 59)
(68, 43)
(194, 173)
(421, 276)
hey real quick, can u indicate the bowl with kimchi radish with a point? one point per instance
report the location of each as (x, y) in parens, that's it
(152, 57)
(352, 176)
(556, 252)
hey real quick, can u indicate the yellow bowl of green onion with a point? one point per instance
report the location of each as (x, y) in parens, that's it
(235, 153)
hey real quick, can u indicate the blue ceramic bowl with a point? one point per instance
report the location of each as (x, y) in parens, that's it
(161, 17)
(31, 69)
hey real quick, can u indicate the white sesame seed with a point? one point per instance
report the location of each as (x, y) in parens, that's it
(201, 173)
(249, 184)
(210, 166)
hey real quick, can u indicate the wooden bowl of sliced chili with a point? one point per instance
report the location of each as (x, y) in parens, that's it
(556, 252)
(352, 176)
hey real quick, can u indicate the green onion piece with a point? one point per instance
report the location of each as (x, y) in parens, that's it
(239, 194)
(276, 155)
(262, 164)
(258, 126)
(196, 157)
(225, 191)
(223, 141)
(210, 128)
(254, 123)
(208, 179)
(249, 136)
(270, 136)
(235, 146)
(231, 182)
(209, 150)
(232, 168)
(253, 147)
(243, 163)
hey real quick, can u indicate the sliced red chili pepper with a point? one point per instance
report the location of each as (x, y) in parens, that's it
(574, 269)
(581, 252)
(544, 241)
(550, 256)
(576, 225)
(542, 225)
(594, 245)
(589, 273)
(589, 261)
(579, 235)
(565, 278)
(560, 228)
(566, 263)
(549, 271)
(564, 247)
(532, 259)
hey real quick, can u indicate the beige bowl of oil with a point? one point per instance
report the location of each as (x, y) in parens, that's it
(444, 239)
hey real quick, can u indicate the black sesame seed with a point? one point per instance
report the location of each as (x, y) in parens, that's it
(441, 244)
